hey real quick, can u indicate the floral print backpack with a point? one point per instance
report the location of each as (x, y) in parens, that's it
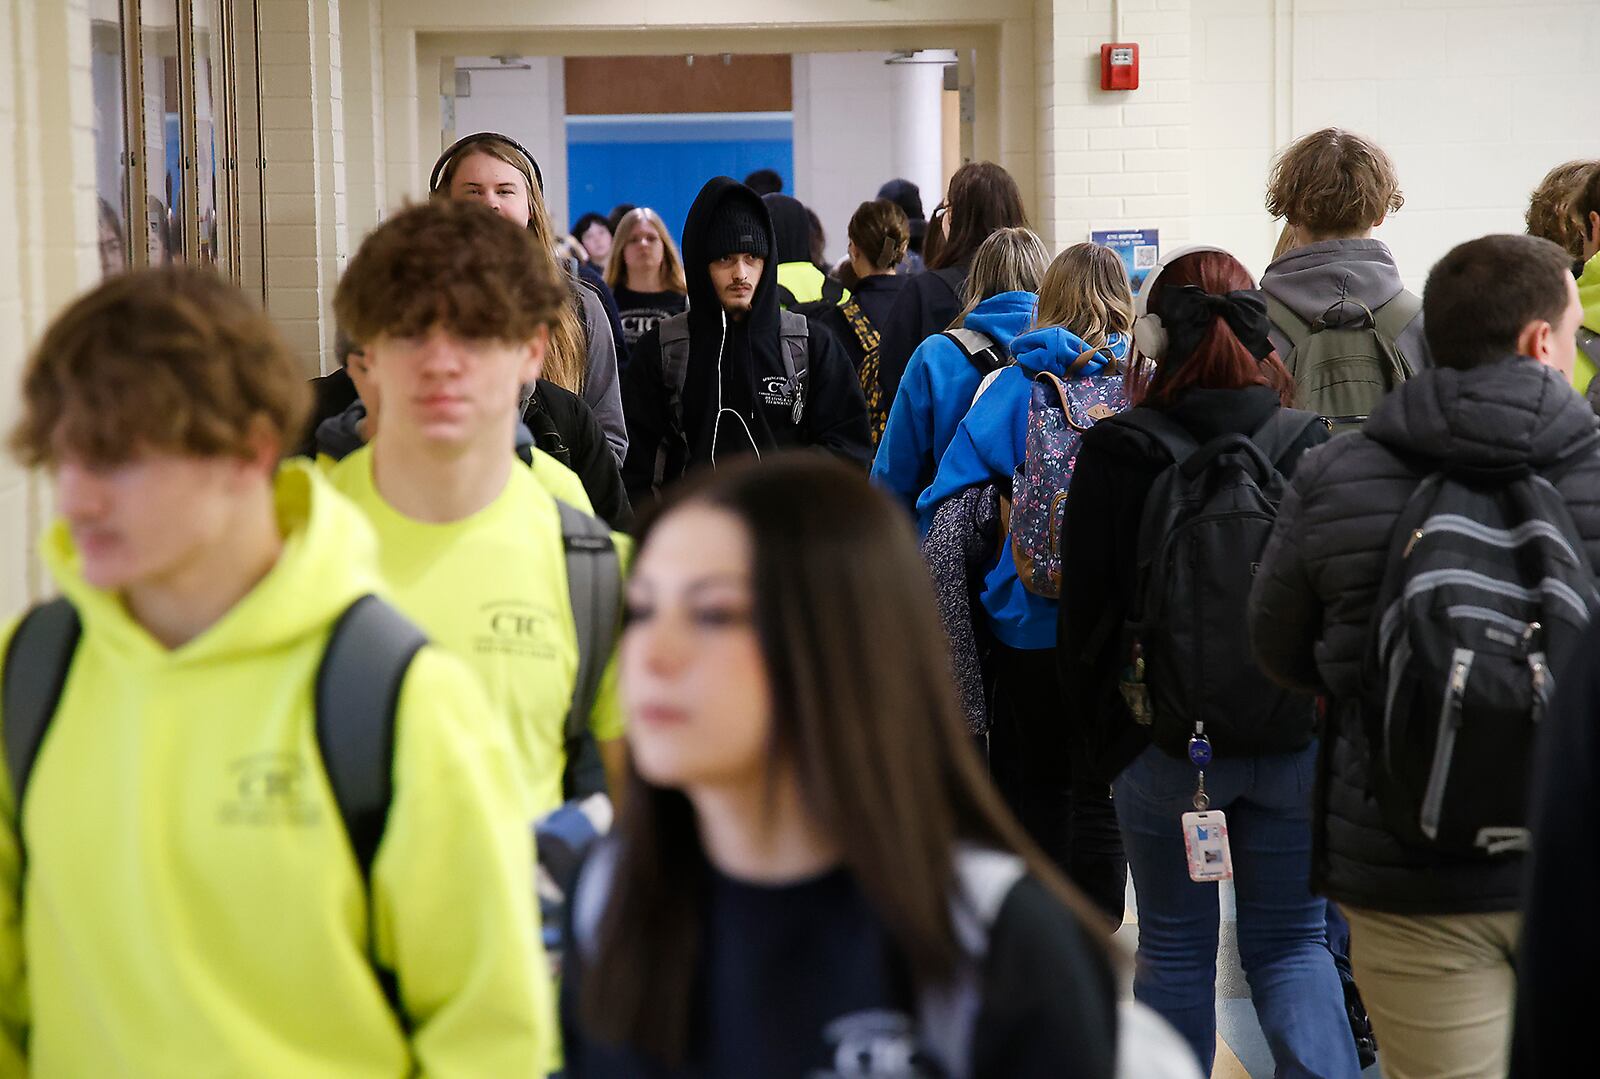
(1059, 412)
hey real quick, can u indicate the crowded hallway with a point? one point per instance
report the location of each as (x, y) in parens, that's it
(833, 541)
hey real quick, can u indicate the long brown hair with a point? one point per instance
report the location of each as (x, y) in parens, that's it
(983, 198)
(863, 707)
(566, 360)
(671, 262)
(1086, 291)
(1219, 361)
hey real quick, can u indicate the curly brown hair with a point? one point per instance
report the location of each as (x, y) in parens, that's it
(1332, 182)
(1552, 214)
(451, 264)
(172, 359)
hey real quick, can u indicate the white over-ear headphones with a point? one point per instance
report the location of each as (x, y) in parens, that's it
(1149, 335)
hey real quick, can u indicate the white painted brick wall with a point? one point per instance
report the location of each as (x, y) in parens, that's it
(1128, 163)
(1473, 99)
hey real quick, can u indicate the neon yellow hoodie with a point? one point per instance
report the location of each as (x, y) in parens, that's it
(804, 281)
(181, 917)
(492, 588)
(1589, 296)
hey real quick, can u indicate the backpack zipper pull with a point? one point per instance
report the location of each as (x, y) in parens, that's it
(1411, 543)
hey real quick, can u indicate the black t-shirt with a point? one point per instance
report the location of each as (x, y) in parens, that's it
(642, 310)
(802, 981)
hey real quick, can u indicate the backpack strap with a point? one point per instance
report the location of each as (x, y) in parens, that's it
(981, 350)
(33, 678)
(1295, 328)
(673, 334)
(1589, 345)
(1400, 311)
(594, 587)
(673, 338)
(947, 1014)
(787, 300)
(953, 278)
(357, 699)
(866, 333)
(795, 331)
(1281, 431)
(1166, 432)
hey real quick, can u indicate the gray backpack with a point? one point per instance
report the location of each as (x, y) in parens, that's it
(947, 1014)
(1342, 369)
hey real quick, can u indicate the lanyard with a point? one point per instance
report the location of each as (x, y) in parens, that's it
(1200, 755)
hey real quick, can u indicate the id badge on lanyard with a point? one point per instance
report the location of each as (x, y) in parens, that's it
(1205, 831)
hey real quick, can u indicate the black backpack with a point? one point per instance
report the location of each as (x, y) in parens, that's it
(1487, 588)
(832, 295)
(1204, 527)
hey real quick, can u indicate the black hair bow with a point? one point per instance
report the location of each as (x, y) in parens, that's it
(1188, 311)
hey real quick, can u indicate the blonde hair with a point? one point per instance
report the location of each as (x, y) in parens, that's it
(1010, 260)
(671, 262)
(1332, 182)
(1086, 290)
(1288, 240)
(566, 360)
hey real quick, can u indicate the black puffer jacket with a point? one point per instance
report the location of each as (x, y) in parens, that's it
(1311, 607)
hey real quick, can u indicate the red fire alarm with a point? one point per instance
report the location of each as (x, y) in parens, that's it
(1119, 66)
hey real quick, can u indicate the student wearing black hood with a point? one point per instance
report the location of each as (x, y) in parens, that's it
(799, 279)
(734, 374)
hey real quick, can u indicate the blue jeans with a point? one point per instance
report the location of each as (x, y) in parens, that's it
(1282, 926)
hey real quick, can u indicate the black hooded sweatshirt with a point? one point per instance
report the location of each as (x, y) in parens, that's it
(759, 413)
(791, 227)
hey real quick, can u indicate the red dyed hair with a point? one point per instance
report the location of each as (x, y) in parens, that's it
(1219, 361)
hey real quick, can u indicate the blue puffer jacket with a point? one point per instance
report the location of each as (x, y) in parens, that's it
(989, 444)
(934, 394)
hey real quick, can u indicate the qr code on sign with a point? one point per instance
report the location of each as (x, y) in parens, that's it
(1144, 256)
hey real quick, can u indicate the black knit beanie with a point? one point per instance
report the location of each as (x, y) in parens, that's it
(736, 229)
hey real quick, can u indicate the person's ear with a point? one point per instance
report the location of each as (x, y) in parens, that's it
(1591, 238)
(1536, 340)
(264, 447)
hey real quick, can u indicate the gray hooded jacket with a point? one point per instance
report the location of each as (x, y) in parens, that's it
(602, 391)
(1308, 280)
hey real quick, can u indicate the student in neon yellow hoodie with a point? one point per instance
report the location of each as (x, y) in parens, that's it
(190, 903)
(454, 313)
(1586, 207)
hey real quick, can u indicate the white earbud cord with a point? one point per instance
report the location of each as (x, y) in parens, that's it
(716, 425)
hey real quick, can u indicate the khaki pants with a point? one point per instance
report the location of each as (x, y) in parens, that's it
(1441, 990)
